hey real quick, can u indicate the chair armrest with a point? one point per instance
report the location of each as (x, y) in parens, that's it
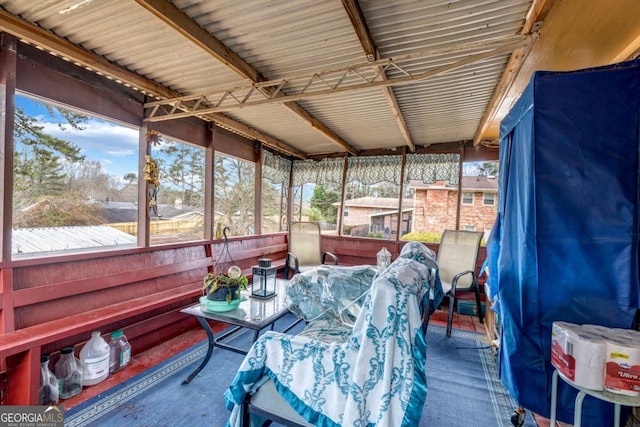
(329, 254)
(292, 260)
(454, 282)
(291, 264)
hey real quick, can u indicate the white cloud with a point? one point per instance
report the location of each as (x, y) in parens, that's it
(97, 135)
(114, 146)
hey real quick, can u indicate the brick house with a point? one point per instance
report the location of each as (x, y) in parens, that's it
(433, 209)
(435, 205)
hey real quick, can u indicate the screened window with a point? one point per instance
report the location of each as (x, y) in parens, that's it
(481, 177)
(274, 207)
(467, 198)
(316, 189)
(75, 181)
(431, 182)
(234, 197)
(372, 197)
(177, 213)
(276, 171)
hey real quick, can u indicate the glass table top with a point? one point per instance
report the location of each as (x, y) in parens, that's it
(250, 312)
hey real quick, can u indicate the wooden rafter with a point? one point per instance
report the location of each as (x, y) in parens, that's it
(359, 25)
(536, 14)
(251, 133)
(180, 22)
(366, 40)
(631, 51)
(30, 33)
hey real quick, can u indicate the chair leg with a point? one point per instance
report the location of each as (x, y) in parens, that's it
(452, 300)
(478, 303)
(246, 417)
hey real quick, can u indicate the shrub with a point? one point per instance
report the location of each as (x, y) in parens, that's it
(422, 236)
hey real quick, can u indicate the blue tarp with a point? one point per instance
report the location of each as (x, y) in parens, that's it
(565, 243)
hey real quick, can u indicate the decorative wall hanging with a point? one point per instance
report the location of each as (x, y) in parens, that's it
(153, 137)
(152, 173)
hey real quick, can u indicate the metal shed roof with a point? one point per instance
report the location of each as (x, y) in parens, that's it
(30, 241)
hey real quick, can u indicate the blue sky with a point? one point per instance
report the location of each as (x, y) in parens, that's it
(114, 146)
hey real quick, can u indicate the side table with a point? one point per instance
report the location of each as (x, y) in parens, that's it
(617, 399)
(251, 314)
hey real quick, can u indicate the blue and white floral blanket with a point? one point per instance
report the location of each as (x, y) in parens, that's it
(376, 378)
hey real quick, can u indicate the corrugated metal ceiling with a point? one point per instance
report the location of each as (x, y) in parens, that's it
(280, 39)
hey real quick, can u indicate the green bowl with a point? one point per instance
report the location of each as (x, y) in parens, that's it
(219, 306)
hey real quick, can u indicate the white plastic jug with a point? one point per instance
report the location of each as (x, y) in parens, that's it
(94, 358)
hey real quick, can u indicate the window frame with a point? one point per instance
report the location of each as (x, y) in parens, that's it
(484, 198)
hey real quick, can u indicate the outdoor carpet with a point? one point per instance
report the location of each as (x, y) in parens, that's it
(462, 381)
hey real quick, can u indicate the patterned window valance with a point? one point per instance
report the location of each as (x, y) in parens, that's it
(430, 168)
(324, 171)
(275, 168)
(374, 169)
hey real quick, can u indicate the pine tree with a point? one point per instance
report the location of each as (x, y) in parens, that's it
(322, 201)
(182, 167)
(39, 157)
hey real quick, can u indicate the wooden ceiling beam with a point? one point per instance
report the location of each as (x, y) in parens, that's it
(631, 51)
(251, 133)
(320, 127)
(535, 16)
(181, 23)
(32, 34)
(361, 29)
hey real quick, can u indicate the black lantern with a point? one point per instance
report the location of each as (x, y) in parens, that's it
(264, 279)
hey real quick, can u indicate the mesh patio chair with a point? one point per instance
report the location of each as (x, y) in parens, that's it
(304, 248)
(457, 256)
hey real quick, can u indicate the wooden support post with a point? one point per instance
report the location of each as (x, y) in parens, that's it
(23, 378)
(8, 60)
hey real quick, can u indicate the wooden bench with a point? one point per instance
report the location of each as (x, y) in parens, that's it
(246, 252)
(51, 304)
(23, 347)
(65, 312)
(278, 264)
